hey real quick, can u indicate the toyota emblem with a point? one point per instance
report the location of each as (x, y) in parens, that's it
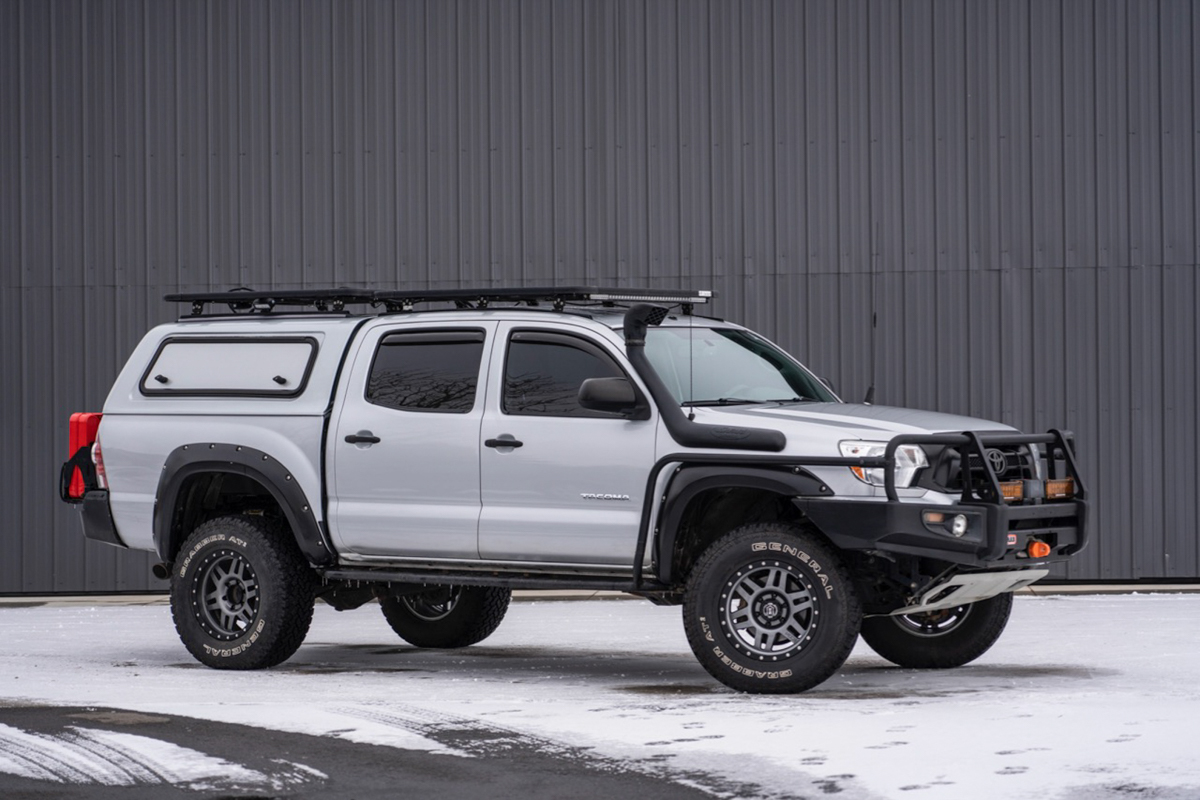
(998, 462)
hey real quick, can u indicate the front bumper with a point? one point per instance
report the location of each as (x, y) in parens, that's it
(998, 533)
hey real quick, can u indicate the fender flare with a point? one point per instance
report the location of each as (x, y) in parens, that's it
(691, 481)
(203, 457)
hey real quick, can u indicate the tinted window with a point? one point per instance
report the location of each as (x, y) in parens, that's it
(427, 371)
(544, 371)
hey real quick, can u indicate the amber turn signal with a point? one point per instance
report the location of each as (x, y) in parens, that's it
(1037, 549)
(1059, 489)
(1012, 490)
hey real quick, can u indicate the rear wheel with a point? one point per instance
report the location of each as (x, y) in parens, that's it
(942, 639)
(241, 594)
(769, 608)
(447, 616)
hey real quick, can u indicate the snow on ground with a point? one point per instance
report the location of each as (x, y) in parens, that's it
(1083, 697)
(112, 759)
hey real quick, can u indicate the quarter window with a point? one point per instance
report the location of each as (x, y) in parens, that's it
(431, 371)
(544, 371)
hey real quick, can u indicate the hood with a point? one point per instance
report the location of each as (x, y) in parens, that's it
(816, 428)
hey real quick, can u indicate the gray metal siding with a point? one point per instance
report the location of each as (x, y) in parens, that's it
(1013, 181)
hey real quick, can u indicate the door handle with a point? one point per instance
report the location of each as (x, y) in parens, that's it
(363, 437)
(503, 441)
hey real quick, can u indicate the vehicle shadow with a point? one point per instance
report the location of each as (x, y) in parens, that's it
(657, 673)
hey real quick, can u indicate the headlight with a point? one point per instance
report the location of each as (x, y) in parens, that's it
(909, 459)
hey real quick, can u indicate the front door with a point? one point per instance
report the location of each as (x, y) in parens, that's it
(560, 483)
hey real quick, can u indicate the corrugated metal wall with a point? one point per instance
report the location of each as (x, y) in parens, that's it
(1019, 175)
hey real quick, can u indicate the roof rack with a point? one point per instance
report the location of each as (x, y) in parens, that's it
(264, 301)
(325, 300)
(557, 296)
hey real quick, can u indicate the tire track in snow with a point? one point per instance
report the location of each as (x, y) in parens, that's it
(45, 757)
(96, 756)
(137, 770)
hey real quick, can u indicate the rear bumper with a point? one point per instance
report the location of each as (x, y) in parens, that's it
(997, 535)
(96, 516)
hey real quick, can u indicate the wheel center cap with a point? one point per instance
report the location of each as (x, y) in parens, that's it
(233, 594)
(770, 609)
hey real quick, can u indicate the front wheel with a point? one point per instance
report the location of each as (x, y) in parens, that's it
(447, 616)
(942, 639)
(769, 608)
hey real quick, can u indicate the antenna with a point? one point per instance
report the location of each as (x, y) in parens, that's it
(687, 309)
(870, 398)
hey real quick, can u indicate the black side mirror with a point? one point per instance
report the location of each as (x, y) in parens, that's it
(615, 395)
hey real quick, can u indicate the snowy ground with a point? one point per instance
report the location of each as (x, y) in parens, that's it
(1083, 697)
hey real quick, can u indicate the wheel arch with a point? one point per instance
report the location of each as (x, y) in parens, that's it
(702, 503)
(194, 465)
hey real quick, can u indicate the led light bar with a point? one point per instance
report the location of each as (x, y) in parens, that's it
(649, 296)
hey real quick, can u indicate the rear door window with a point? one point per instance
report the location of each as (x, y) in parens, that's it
(431, 371)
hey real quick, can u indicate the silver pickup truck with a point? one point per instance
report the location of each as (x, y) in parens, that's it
(435, 450)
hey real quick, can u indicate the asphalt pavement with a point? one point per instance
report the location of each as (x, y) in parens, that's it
(297, 766)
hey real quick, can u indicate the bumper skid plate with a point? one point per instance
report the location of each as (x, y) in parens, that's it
(970, 587)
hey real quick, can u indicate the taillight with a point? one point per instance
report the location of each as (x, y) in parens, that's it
(98, 460)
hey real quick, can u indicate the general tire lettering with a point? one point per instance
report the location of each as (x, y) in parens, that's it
(770, 608)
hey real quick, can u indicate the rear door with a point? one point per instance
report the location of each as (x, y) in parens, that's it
(404, 450)
(570, 486)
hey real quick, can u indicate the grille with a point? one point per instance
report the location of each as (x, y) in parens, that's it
(947, 473)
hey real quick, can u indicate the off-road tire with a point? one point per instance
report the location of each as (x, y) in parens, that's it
(939, 639)
(769, 608)
(447, 616)
(241, 594)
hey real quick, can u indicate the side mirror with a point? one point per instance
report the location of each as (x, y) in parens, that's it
(828, 385)
(615, 395)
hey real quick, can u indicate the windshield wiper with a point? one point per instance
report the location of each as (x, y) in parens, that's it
(724, 401)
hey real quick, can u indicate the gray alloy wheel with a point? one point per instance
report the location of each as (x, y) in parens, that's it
(226, 594)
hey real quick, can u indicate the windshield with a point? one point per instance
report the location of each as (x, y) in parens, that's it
(726, 366)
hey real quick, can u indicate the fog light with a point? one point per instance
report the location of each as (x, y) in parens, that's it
(959, 526)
